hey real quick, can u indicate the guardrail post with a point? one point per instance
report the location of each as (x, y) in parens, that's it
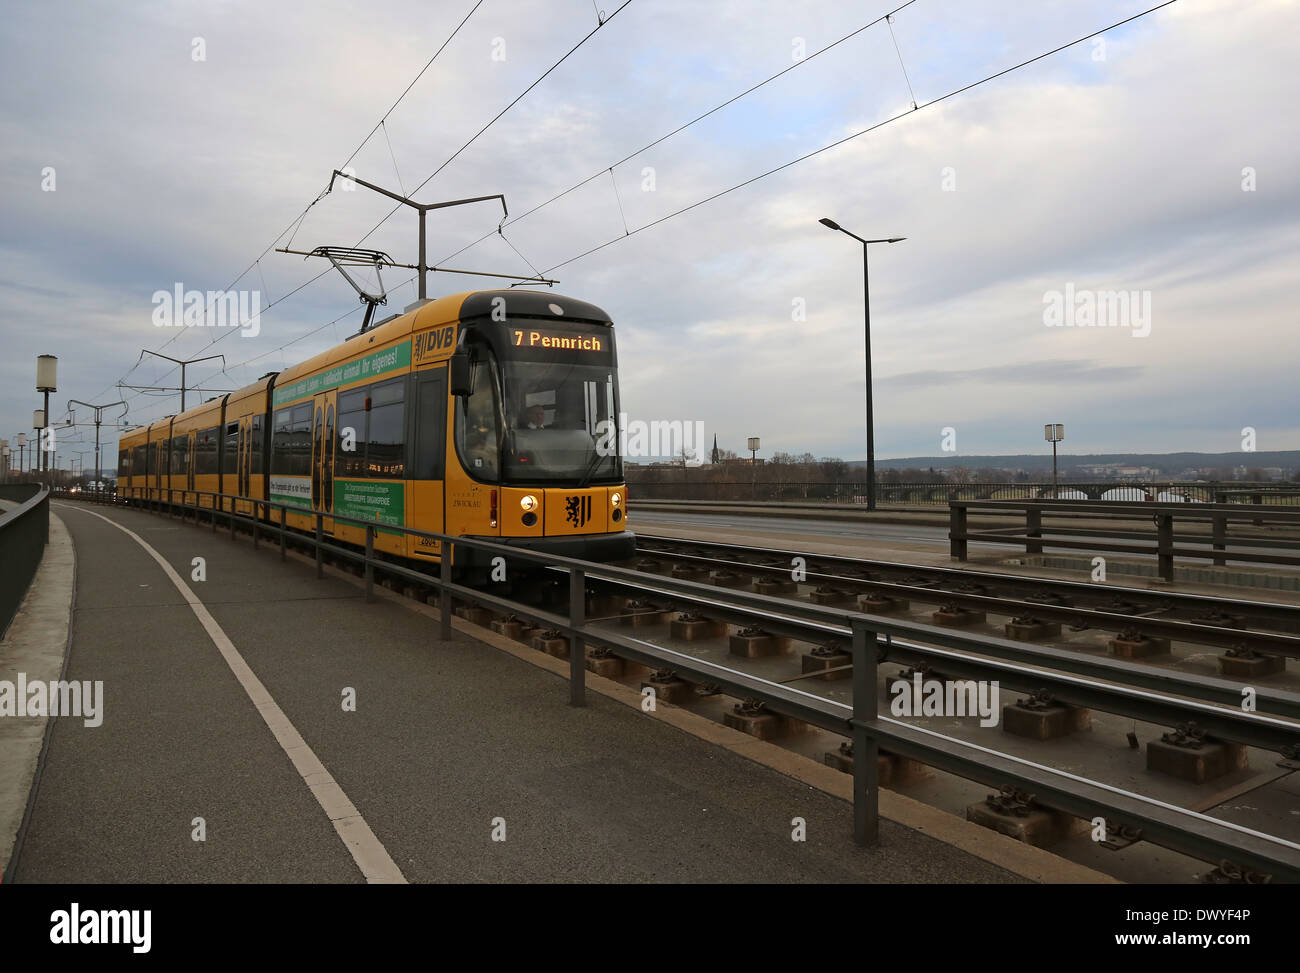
(957, 523)
(283, 534)
(866, 752)
(1165, 545)
(370, 564)
(320, 536)
(444, 593)
(1033, 528)
(1220, 529)
(232, 520)
(577, 648)
(215, 503)
(257, 514)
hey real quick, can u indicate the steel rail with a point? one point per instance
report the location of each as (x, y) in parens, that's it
(1029, 668)
(1187, 631)
(1271, 611)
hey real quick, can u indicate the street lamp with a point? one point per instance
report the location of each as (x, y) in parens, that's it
(753, 467)
(22, 447)
(38, 424)
(4, 459)
(47, 381)
(1054, 433)
(866, 307)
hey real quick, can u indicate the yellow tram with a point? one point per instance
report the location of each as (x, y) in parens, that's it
(487, 414)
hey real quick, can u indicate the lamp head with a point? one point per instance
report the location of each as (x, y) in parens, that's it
(830, 223)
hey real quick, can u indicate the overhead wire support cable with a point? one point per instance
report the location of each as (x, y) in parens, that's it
(889, 21)
(614, 183)
(407, 90)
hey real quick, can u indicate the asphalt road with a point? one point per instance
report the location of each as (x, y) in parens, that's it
(920, 535)
(446, 737)
(903, 533)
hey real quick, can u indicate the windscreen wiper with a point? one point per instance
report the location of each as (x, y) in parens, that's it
(591, 467)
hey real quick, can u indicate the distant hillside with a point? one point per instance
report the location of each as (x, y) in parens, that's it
(1167, 463)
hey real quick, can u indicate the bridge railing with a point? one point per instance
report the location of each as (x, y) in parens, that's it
(24, 532)
(762, 488)
(1159, 539)
(870, 640)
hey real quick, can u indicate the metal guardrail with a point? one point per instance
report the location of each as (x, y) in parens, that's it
(1035, 534)
(23, 535)
(749, 485)
(1188, 832)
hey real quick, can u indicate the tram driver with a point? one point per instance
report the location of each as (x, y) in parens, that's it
(534, 417)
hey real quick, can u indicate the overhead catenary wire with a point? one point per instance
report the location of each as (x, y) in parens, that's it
(297, 222)
(934, 101)
(495, 118)
(685, 125)
(864, 131)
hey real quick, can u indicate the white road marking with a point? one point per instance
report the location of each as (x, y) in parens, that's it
(370, 855)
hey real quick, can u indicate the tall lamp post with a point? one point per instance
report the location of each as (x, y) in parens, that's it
(47, 381)
(1054, 432)
(753, 463)
(22, 447)
(4, 460)
(38, 424)
(866, 306)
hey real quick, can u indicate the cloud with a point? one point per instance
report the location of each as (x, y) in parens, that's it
(1117, 173)
(1022, 373)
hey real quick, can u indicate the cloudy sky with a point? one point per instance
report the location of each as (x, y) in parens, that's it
(147, 145)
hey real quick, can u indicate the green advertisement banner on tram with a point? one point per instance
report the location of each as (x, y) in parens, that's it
(384, 502)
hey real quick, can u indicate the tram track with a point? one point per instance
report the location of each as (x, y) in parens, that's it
(1247, 628)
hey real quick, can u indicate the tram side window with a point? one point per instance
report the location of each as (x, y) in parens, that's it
(300, 454)
(230, 449)
(386, 431)
(352, 415)
(123, 462)
(282, 443)
(180, 455)
(257, 463)
(139, 459)
(205, 451)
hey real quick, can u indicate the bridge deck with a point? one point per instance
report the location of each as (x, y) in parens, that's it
(446, 737)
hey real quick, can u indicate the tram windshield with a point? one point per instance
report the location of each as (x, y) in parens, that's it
(544, 409)
(560, 422)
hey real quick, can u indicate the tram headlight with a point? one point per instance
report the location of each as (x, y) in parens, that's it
(615, 499)
(528, 503)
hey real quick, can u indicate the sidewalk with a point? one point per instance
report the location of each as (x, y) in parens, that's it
(448, 741)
